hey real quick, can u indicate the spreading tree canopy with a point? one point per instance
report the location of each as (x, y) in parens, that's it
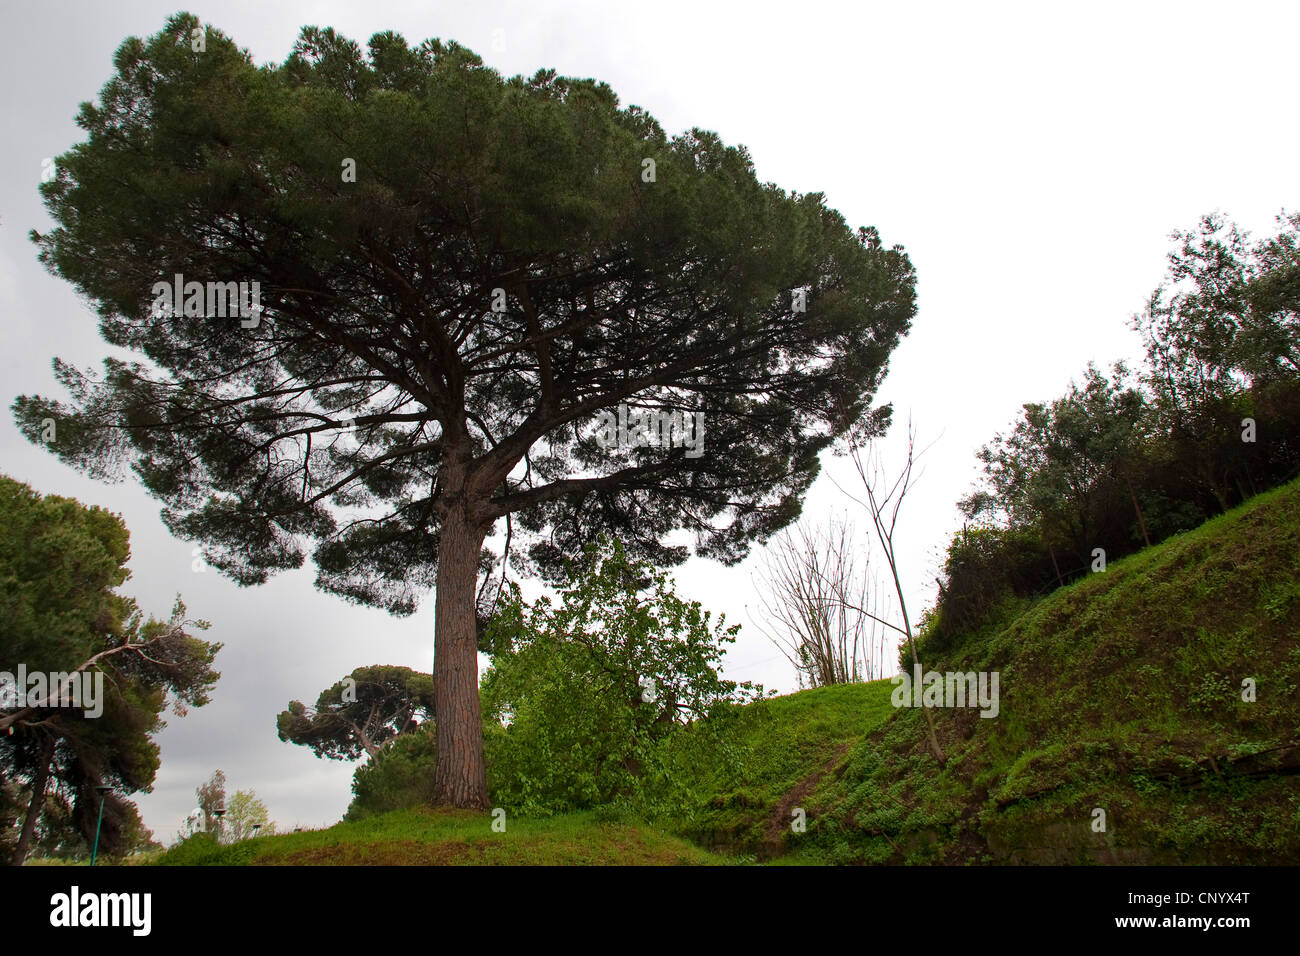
(360, 713)
(456, 273)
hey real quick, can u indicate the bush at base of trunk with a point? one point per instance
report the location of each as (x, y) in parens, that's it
(399, 778)
(581, 698)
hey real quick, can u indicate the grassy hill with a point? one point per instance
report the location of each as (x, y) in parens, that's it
(787, 746)
(453, 837)
(1120, 693)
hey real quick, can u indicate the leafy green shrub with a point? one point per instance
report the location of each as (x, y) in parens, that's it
(584, 696)
(400, 777)
(986, 569)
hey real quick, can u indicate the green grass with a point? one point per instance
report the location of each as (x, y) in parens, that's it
(453, 837)
(141, 858)
(779, 744)
(1120, 692)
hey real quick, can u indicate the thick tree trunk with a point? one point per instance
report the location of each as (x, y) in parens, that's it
(460, 779)
(39, 782)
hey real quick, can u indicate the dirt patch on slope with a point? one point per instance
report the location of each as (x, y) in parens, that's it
(778, 824)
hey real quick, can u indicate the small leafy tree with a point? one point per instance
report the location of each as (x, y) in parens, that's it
(1227, 313)
(212, 797)
(1270, 344)
(245, 816)
(1227, 317)
(583, 693)
(1049, 471)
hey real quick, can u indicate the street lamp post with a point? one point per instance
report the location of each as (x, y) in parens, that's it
(103, 791)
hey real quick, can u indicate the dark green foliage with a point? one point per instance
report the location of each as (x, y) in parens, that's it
(399, 777)
(378, 296)
(360, 713)
(1228, 313)
(1113, 463)
(60, 565)
(985, 570)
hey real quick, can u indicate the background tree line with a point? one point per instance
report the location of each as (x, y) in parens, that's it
(61, 564)
(1123, 460)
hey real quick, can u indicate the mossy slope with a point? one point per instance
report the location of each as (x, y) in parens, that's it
(1121, 693)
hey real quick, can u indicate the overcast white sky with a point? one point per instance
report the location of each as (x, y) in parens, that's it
(1032, 158)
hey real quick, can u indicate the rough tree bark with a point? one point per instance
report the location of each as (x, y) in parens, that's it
(39, 782)
(460, 779)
